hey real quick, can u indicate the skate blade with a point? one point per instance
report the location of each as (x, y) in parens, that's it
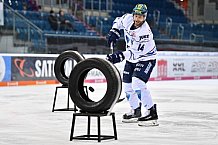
(133, 120)
(148, 123)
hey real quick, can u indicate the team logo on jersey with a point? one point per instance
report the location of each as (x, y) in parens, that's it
(132, 33)
(144, 37)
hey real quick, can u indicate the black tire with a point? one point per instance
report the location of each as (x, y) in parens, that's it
(59, 65)
(76, 87)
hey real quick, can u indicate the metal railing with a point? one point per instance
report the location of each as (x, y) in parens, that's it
(156, 17)
(168, 25)
(180, 31)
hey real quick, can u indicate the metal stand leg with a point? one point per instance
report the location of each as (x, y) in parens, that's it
(99, 129)
(72, 127)
(114, 126)
(88, 136)
(54, 99)
(68, 101)
(88, 127)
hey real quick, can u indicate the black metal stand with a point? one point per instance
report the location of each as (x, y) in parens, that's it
(98, 137)
(68, 100)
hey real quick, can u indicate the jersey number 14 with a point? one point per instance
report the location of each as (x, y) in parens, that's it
(141, 47)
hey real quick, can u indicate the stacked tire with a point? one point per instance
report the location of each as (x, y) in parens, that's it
(78, 75)
(60, 63)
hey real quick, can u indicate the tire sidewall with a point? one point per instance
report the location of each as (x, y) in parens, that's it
(113, 84)
(60, 63)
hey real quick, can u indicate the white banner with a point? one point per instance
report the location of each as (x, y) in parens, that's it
(176, 66)
(1, 13)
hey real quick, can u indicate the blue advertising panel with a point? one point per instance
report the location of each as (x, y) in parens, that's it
(5, 68)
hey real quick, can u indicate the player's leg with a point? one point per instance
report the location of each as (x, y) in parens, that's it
(140, 77)
(134, 103)
(131, 95)
(149, 114)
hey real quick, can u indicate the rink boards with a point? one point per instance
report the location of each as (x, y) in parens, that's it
(37, 69)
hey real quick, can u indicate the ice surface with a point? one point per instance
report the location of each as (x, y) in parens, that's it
(187, 116)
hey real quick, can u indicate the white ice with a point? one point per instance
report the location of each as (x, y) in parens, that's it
(187, 116)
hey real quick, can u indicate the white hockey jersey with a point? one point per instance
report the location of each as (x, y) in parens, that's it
(140, 45)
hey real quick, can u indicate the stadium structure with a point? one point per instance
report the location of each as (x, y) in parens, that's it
(179, 25)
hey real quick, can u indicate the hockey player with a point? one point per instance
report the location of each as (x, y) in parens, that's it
(140, 58)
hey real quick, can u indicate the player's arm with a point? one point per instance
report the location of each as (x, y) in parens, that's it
(114, 33)
(118, 22)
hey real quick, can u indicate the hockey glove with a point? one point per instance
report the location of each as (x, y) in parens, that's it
(115, 57)
(113, 36)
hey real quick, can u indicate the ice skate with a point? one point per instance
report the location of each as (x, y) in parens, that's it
(150, 119)
(132, 116)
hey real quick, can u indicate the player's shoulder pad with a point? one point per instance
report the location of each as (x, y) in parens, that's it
(127, 16)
